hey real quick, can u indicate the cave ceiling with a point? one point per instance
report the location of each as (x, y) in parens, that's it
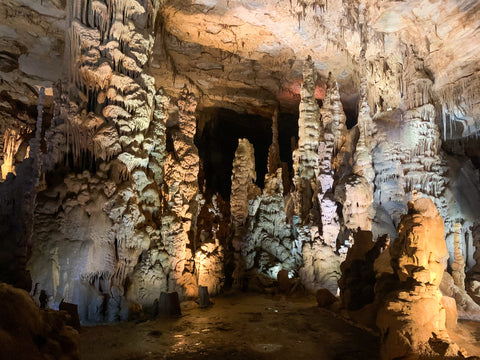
(247, 55)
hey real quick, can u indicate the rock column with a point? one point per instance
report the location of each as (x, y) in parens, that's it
(305, 156)
(181, 189)
(243, 190)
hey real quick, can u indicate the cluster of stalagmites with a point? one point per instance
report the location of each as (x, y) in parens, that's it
(117, 235)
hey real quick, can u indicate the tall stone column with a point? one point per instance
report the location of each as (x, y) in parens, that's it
(243, 190)
(305, 156)
(181, 189)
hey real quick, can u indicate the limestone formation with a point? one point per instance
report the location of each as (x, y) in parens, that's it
(458, 265)
(356, 196)
(181, 189)
(466, 307)
(243, 190)
(326, 153)
(320, 262)
(473, 280)
(305, 156)
(269, 243)
(412, 319)
(212, 237)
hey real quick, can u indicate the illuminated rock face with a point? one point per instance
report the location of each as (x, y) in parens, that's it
(412, 319)
(109, 216)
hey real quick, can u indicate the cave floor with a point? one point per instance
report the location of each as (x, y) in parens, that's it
(245, 326)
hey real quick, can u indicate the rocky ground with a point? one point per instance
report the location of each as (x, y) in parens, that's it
(245, 327)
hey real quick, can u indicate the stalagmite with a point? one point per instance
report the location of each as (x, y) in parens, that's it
(305, 156)
(412, 319)
(181, 189)
(458, 265)
(269, 245)
(363, 161)
(331, 158)
(243, 190)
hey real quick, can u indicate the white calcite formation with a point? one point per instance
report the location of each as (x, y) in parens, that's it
(305, 156)
(356, 195)
(356, 191)
(320, 262)
(412, 319)
(332, 124)
(243, 190)
(312, 173)
(407, 158)
(107, 119)
(454, 285)
(270, 245)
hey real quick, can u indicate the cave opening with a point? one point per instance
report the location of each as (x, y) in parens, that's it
(217, 139)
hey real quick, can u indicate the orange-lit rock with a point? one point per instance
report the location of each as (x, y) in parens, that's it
(412, 319)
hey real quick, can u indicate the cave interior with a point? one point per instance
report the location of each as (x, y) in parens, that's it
(248, 179)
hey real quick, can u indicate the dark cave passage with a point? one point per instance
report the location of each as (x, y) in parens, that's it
(350, 108)
(217, 139)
